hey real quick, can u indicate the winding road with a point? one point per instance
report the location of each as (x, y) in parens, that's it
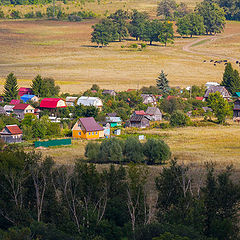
(188, 47)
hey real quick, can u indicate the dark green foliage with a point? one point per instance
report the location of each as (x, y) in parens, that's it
(220, 106)
(231, 79)
(166, 9)
(29, 15)
(39, 14)
(7, 120)
(111, 151)
(231, 8)
(182, 10)
(1, 13)
(53, 11)
(37, 86)
(150, 90)
(191, 24)
(10, 88)
(213, 15)
(95, 87)
(85, 111)
(179, 119)
(156, 151)
(15, 14)
(133, 150)
(92, 151)
(162, 83)
(104, 32)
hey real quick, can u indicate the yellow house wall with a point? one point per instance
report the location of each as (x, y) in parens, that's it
(75, 134)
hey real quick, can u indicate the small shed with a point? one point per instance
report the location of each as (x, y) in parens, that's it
(139, 121)
(154, 113)
(109, 92)
(149, 99)
(11, 134)
(236, 109)
(114, 121)
(26, 98)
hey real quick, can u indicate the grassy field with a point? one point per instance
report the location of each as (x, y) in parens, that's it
(191, 145)
(63, 50)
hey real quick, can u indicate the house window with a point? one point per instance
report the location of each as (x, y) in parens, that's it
(89, 133)
(79, 133)
(96, 133)
(92, 133)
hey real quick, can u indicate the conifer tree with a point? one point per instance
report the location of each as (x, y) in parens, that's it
(162, 83)
(37, 86)
(10, 88)
(231, 79)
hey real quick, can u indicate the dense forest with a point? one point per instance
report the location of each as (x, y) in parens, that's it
(42, 200)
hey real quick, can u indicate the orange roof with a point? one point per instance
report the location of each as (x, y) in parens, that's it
(14, 129)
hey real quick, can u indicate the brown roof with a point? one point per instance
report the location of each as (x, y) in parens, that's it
(90, 124)
(14, 129)
(137, 118)
(213, 89)
(21, 106)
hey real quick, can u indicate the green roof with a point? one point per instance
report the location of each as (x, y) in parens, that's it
(236, 94)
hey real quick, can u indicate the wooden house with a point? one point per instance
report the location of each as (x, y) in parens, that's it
(236, 109)
(149, 99)
(21, 109)
(71, 101)
(114, 121)
(109, 92)
(87, 128)
(221, 89)
(8, 109)
(27, 97)
(11, 134)
(139, 121)
(154, 113)
(22, 91)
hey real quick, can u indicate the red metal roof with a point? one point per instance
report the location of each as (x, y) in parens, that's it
(141, 112)
(170, 97)
(23, 90)
(14, 129)
(199, 98)
(90, 124)
(50, 102)
(15, 101)
(20, 106)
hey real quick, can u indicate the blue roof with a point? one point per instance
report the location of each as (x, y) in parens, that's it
(236, 94)
(26, 97)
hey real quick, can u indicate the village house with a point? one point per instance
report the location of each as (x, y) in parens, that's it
(90, 101)
(110, 92)
(71, 101)
(52, 104)
(221, 89)
(154, 113)
(8, 109)
(26, 98)
(14, 102)
(199, 98)
(236, 109)
(23, 91)
(2, 111)
(87, 128)
(21, 109)
(149, 99)
(114, 121)
(211, 84)
(11, 134)
(139, 121)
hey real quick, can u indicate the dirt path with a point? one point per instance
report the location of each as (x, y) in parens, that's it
(208, 40)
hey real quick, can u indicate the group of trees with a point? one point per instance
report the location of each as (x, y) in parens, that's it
(117, 27)
(154, 151)
(41, 200)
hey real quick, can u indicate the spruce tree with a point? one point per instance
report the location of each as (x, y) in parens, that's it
(231, 79)
(162, 83)
(37, 86)
(10, 88)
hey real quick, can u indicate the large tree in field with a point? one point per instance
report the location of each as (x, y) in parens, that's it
(37, 86)
(162, 83)
(191, 24)
(166, 35)
(231, 79)
(213, 15)
(120, 18)
(166, 8)
(104, 32)
(10, 88)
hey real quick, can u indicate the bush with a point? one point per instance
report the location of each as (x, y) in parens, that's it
(39, 14)
(1, 13)
(179, 119)
(133, 150)
(134, 45)
(15, 14)
(74, 18)
(164, 125)
(143, 45)
(92, 151)
(29, 15)
(156, 151)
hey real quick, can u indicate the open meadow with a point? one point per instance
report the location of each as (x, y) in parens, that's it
(63, 50)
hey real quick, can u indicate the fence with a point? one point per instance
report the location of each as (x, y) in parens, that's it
(52, 143)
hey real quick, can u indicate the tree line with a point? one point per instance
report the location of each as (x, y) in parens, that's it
(42, 200)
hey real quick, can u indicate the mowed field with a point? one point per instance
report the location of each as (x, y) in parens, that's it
(63, 50)
(190, 145)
